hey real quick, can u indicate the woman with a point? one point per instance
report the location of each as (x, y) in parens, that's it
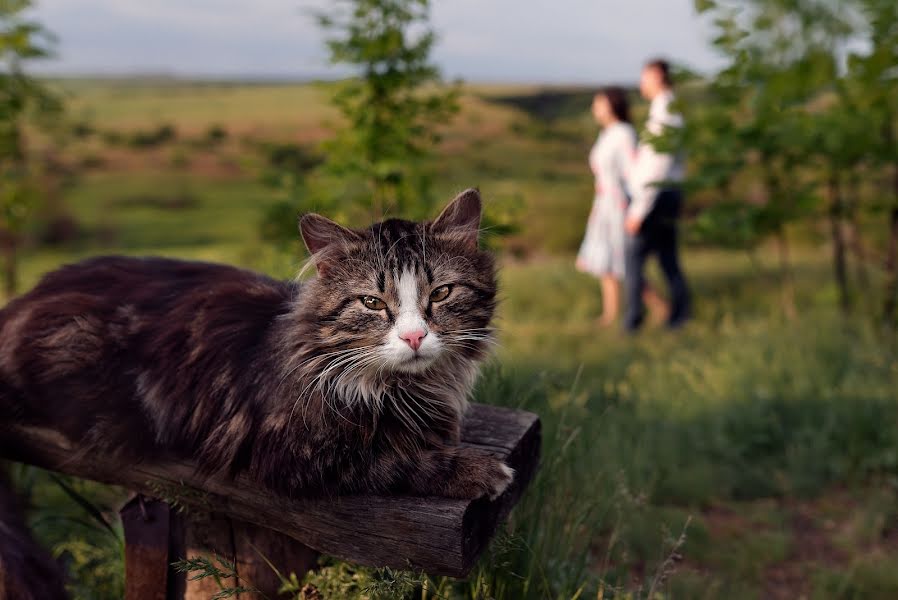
(602, 251)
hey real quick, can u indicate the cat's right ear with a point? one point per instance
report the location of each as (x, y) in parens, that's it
(320, 234)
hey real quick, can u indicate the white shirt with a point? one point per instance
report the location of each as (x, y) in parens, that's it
(610, 160)
(651, 166)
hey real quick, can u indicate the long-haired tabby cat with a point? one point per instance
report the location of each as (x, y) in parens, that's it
(353, 381)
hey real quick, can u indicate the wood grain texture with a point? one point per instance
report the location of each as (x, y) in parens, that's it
(438, 535)
(207, 535)
(255, 547)
(147, 525)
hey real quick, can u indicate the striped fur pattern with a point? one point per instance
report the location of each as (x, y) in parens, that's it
(308, 388)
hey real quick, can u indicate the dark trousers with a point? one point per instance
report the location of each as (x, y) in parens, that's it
(658, 235)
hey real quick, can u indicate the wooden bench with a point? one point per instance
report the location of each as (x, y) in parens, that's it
(250, 527)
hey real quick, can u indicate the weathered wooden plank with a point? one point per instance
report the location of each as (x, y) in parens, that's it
(255, 547)
(439, 535)
(147, 528)
(205, 534)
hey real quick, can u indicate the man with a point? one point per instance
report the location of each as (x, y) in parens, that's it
(655, 204)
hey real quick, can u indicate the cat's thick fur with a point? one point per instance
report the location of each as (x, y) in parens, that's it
(300, 386)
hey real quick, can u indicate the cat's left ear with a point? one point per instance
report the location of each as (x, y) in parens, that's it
(461, 218)
(320, 234)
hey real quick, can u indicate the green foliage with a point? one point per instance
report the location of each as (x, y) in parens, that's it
(788, 112)
(868, 577)
(21, 41)
(215, 135)
(335, 579)
(78, 522)
(18, 196)
(742, 412)
(393, 107)
(95, 570)
(152, 138)
(779, 58)
(219, 569)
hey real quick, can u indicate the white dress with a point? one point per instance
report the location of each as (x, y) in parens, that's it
(602, 250)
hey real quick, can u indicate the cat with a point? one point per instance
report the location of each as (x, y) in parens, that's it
(353, 381)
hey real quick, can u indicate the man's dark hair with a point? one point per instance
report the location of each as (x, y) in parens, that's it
(663, 67)
(617, 101)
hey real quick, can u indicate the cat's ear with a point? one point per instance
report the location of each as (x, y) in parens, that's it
(461, 218)
(320, 234)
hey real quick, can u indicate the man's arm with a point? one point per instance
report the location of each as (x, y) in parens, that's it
(652, 167)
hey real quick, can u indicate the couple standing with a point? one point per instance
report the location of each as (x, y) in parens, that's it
(637, 203)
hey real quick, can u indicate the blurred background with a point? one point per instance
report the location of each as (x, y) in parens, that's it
(753, 454)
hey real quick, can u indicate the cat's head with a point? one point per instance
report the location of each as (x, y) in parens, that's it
(401, 298)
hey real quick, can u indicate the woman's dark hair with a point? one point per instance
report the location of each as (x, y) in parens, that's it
(617, 101)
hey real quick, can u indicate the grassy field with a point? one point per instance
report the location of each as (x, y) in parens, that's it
(750, 455)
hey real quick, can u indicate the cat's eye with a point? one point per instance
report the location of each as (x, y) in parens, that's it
(373, 302)
(441, 293)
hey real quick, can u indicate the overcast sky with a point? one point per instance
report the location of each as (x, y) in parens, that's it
(589, 41)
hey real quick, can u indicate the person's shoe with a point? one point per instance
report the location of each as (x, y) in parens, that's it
(631, 326)
(680, 320)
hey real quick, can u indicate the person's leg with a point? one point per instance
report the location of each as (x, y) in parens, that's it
(636, 253)
(658, 307)
(668, 257)
(610, 299)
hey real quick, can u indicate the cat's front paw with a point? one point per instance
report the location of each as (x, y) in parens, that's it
(502, 481)
(483, 475)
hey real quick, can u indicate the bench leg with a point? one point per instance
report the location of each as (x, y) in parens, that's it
(255, 545)
(157, 535)
(147, 525)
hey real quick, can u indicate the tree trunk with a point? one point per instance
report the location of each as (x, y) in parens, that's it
(8, 247)
(787, 289)
(787, 286)
(891, 264)
(890, 297)
(838, 241)
(855, 244)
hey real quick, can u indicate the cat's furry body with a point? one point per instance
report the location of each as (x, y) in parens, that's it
(300, 386)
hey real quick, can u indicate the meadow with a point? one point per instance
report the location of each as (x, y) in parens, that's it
(751, 455)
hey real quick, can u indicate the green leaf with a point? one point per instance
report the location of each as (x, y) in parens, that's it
(92, 510)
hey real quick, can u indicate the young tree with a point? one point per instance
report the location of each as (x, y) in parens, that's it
(21, 97)
(873, 77)
(782, 88)
(393, 107)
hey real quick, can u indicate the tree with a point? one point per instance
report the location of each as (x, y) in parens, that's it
(21, 97)
(393, 108)
(790, 117)
(873, 78)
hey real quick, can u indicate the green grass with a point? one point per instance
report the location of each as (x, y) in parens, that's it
(738, 425)
(672, 427)
(266, 108)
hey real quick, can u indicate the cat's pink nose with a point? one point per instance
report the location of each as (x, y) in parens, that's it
(413, 338)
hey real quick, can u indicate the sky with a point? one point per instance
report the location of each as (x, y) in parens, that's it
(534, 41)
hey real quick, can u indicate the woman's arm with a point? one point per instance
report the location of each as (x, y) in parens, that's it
(626, 154)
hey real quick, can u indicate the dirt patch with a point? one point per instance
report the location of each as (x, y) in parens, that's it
(812, 546)
(725, 521)
(812, 529)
